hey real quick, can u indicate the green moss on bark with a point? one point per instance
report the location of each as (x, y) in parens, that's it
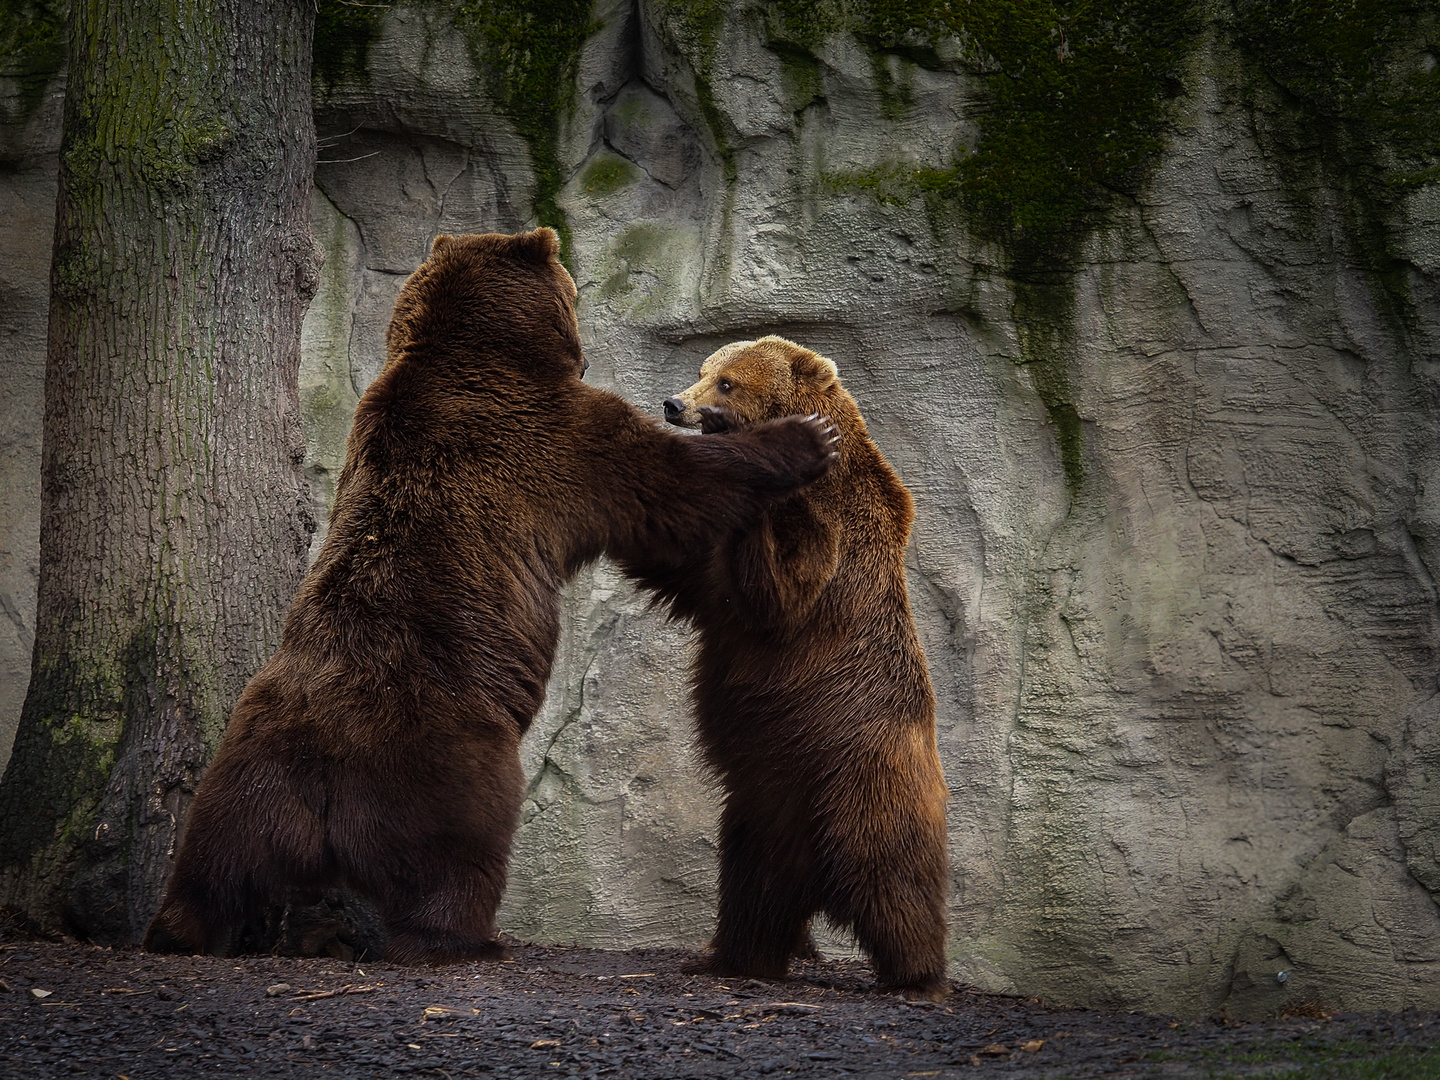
(529, 53)
(63, 753)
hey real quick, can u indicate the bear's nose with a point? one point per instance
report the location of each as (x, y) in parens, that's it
(673, 408)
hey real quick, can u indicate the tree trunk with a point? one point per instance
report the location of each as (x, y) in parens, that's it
(174, 517)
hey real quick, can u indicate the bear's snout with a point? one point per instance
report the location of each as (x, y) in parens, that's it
(674, 409)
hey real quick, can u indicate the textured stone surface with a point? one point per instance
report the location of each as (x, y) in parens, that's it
(29, 141)
(1188, 703)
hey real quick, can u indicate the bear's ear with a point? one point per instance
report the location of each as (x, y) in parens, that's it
(813, 371)
(539, 246)
(441, 243)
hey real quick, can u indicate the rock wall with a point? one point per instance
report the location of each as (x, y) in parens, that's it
(1176, 469)
(29, 141)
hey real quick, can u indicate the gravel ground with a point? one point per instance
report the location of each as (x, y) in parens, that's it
(77, 1010)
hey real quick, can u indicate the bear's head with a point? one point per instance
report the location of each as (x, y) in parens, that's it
(756, 381)
(490, 298)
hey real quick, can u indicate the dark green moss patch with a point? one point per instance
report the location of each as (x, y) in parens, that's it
(1354, 108)
(344, 32)
(794, 30)
(1372, 66)
(32, 51)
(531, 54)
(805, 23)
(64, 749)
(1077, 100)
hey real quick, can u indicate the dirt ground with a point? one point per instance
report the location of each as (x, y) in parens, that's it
(76, 1010)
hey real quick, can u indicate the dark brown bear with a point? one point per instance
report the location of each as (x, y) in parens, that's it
(814, 706)
(377, 751)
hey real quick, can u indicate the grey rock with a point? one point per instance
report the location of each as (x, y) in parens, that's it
(29, 143)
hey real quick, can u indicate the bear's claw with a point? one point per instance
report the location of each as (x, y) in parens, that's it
(828, 431)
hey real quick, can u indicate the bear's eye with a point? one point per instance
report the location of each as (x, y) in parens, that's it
(725, 386)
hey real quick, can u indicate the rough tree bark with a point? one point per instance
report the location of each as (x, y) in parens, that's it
(174, 518)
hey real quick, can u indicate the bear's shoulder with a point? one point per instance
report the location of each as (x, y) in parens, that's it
(863, 485)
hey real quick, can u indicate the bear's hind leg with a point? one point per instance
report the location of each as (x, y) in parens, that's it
(454, 924)
(908, 959)
(805, 947)
(430, 845)
(249, 834)
(899, 921)
(764, 909)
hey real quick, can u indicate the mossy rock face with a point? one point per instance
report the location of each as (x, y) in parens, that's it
(607, 173)
(645, 267)
(344, 33)
(1076, 95)
(528, 53)
(32, 52)
(692, 28)
(1369, 67)
(531, 54)
(1075, 102)
(1347, 97)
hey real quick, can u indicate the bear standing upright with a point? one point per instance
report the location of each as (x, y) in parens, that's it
(813, 702)
(377, 751)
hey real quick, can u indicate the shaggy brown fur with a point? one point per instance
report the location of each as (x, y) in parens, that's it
(378, 749)
(814, 705)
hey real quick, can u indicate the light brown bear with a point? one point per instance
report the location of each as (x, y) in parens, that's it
(378, 751)
(813, 702)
